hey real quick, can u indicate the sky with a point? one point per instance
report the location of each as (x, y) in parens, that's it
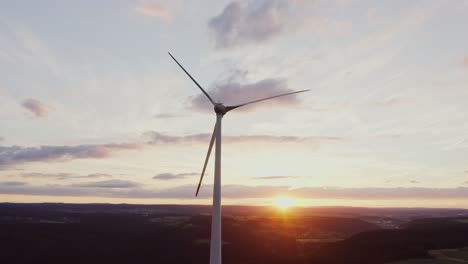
(92, 108)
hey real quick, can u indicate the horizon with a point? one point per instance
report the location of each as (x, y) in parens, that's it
(95, 110)
(271, 206)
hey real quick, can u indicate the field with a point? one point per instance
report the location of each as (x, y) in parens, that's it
(100, 233)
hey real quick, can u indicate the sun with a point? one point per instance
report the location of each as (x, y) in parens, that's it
(283, 202)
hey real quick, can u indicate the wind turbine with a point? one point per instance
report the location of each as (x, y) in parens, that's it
(220, 110)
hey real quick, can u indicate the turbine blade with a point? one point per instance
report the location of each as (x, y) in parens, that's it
(186, 72)
(206, 159)
(229, 108)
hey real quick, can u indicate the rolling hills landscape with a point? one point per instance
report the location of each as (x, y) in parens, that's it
(105, 233)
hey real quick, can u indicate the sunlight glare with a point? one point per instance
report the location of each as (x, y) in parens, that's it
(283, 202)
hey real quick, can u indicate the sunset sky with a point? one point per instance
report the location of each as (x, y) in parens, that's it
(92, 108)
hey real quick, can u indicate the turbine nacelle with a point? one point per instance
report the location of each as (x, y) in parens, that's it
(220, 109)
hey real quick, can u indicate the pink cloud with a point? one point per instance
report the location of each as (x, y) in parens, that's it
(232, 93)
(244, 22)
(36, 107)
(465, 62)
(150, 9)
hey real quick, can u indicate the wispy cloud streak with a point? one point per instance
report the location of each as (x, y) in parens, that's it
(160, 138)
(147, 8)
(275, 177)
(14, 155)
(111, 184)
(63, 175)
(171, 176)
(129, 189)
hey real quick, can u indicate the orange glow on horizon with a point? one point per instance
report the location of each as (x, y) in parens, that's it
(297, 201)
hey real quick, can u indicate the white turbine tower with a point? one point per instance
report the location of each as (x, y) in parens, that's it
(220, 110)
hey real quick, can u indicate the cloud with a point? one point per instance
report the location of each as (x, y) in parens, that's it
(465, 62)
(387, 136)
(127, 189)
(166, 115)
(94, 175)
(325, 27)
(39, 175)
(232, 92)
(243, 191)
(160, 138)
(14, 155)
(108, 184)
(243, 22)
(36, 107)
(13, 183)
(458, 143)
(64, 175)
(154, 10)
(411, 19)
(258, 21)
(171, 176)
(275, 177)
(25, 48)
(382, 193)
(389, 102)
(279, 139)
(2, 139)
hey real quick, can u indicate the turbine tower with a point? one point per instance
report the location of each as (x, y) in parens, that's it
(220, 110)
